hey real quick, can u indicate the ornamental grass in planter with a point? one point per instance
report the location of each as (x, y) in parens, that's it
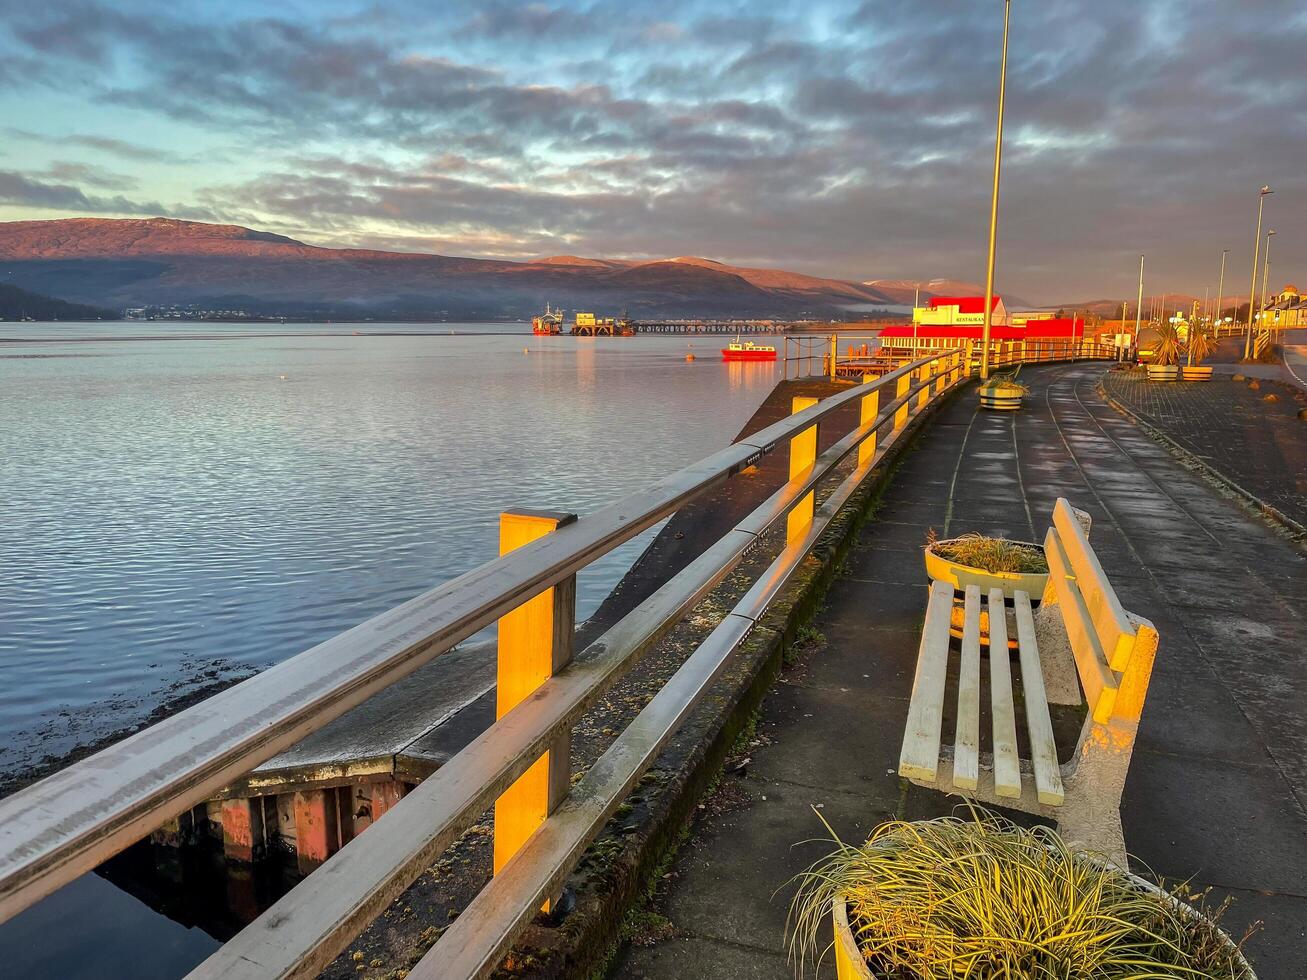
(978, 897)
(987, 562)
(1003, 392)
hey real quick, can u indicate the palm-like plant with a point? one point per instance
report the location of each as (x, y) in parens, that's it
(1167, 349)
(1202, 342)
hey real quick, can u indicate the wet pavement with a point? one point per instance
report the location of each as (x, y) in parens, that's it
(1218, 781)
(1247, 431)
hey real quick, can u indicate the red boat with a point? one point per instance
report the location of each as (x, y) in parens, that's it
(748, 351)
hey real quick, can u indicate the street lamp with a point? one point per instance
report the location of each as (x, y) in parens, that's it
(993, 205)
(1266, 270)
(1252, 289)
(1139, 304)
(1220, 291)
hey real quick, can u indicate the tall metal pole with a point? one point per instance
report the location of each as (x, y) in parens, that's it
(993, 205)
(1252, 289)
(1139, 303)
(1220, 292)
(916, 299)
(1266, 269)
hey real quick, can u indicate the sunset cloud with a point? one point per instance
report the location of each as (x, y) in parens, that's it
(848, 139)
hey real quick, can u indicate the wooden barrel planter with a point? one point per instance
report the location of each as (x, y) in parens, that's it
(1163, 372)
(1001, 397)
(1196, 373)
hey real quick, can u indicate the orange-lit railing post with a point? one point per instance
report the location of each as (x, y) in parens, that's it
(923, 378)
(901, 391)
(535, 642)
(803, 454)
(870, 409)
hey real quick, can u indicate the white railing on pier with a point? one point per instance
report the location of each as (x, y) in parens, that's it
(65, 825)
(853, 355)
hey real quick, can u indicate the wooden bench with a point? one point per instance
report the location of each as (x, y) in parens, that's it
(1078, 644)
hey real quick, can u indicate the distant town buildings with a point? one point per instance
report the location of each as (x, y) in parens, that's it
(1288, 310)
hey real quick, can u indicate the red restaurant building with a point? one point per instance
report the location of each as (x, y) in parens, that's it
(948, 320)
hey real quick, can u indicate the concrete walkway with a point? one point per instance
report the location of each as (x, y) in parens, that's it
(1217, 787)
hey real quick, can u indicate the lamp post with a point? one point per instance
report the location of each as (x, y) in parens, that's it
(1266, 270)
(1220, 291)
(993, 205)
(1252, 289)
(916, 300)
(1139, 304)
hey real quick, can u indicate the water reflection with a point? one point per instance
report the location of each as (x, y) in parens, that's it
(180, 511)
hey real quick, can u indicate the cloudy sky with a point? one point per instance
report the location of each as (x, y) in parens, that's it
(846, 139)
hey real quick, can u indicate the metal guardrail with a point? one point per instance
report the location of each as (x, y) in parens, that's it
(846, 355)
(68, 823)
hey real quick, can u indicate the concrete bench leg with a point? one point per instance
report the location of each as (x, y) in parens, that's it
(1094, 780)
(1090, 816)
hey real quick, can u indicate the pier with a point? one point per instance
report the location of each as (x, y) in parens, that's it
(713, 327)
(558, 767)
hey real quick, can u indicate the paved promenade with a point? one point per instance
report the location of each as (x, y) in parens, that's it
(1251, 436)
(1219, 779)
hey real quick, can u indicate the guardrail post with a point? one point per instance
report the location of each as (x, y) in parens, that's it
(923, 376)
(942, 373)
(870, 409)
(803, 454)
(535, 642)
(901, 391)
(834, 354)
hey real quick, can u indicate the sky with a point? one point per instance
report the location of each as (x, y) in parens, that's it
(845, 139)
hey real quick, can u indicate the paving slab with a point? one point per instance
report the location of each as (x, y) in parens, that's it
(1215, 788)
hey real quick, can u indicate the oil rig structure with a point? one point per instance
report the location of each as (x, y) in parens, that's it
(550, 323)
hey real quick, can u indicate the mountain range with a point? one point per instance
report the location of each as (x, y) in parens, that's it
(19, 304)
(160, 263)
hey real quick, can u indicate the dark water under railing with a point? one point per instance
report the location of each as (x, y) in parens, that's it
(187, 509)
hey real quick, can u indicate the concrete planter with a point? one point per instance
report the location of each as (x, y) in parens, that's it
(849, 964)
(941, 569)
(1001, 397)
(1163, 372)
(1196, 373)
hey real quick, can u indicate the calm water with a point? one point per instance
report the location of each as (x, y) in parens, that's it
(205, 500)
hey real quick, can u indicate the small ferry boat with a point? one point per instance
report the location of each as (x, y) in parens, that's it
(748, 351)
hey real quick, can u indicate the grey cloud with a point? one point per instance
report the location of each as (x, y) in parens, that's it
(26, 190)
(861, 148)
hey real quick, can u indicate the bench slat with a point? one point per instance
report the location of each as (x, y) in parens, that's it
(1116, 634)
(1096, 677)
(966, 744)
(1043, 750)
(920, 756)
(1007, 767)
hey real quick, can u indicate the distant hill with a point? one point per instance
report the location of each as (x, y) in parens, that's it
(19, 304)
(1174, 301)
(903, 290)
(157, 262)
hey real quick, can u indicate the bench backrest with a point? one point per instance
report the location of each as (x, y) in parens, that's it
(1113, 649)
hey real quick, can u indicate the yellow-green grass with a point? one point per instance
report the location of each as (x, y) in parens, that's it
(990, 554)
(978, 897)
